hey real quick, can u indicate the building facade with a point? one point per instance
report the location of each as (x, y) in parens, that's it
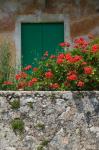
(79, 17)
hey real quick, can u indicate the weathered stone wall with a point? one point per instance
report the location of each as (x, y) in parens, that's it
(79, 10)
(52, 120)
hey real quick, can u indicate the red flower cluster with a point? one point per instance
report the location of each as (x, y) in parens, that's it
(35, 69)
(60, 58)
(32, 82)
(68, 56)
(68, 70)
(95, 48)
(76, 46)
(21, 75)
(7, 83)
(27, 67)
(49, 75)
(72, 59)
(72, 75)
(22, 85)
(84, 51)
(65, 44)
(88, 70)
(54, 86)
(80, 83)
(67, 84)
(81, 42)
(84, 63)
(60, 61)
(76, 58)
(52, 56)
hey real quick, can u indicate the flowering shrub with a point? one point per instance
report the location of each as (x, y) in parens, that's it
(77, 68)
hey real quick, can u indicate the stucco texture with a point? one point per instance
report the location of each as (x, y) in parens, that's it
(83, 14)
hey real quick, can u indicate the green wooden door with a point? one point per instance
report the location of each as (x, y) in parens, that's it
(40, 37)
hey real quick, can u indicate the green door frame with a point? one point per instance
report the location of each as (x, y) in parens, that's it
(41, 18)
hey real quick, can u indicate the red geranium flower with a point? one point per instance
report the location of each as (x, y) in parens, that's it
(49, 75)
(7, 83)
(27, 67)
(65, 44)
(67, 84)
(60, 61)
(85, 43)
(77, 58)
(52, 56)
(22, 84)
(32, 82)
(95, 48)
(84, 51)
(35, 69)
(71, 72)
(80, 83)
(84, 63)
(61, 56)
(88, 70)
(72, 77)
(54, 86)
(68, 56)
(76, 46)
(81, 42)
(18, 76)
(74, 59)
(21, 75)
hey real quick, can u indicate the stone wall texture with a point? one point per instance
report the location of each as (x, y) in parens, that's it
(52, 120)
(83, 14)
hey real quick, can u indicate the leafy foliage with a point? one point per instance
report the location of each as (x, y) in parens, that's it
(6, 70)
(76, 68)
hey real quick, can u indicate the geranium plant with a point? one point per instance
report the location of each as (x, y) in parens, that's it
(77, 68)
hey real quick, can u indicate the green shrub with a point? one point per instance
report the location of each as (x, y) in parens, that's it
(74, 69)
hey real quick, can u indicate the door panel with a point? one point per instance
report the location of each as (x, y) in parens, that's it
(53, 34)
(31, 42)
(39, 37)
